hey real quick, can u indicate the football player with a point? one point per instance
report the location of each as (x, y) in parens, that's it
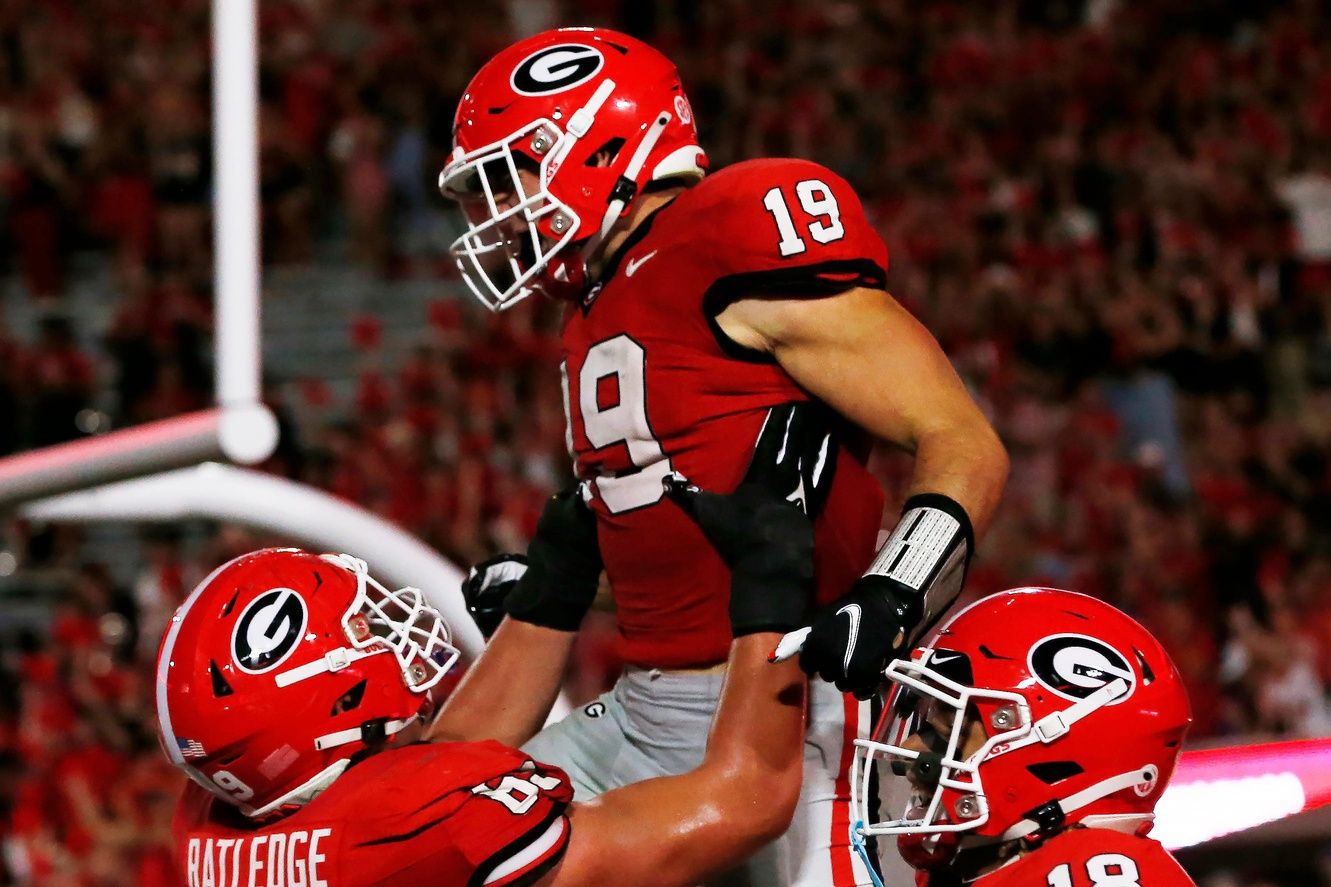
(293, 689)
(1038, 729)
(697, 304)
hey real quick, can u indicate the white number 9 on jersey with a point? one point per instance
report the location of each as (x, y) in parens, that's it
(232, 785)
(620, 364)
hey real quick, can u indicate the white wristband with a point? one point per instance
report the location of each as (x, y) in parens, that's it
(927, 553)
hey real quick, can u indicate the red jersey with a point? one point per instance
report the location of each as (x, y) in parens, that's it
(653, 386)
(449, 814)
(1091, 857)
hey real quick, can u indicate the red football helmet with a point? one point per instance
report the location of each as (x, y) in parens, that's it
(1080, 716)
(282, 664)
(595, 115)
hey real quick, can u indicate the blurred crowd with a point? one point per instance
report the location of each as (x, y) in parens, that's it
(1116, 217)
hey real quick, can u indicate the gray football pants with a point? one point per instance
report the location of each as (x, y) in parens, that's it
(655, 723)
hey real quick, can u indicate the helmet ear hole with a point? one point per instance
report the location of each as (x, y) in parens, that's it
(1051, 772)
(1148, 676)
(348, 701)
(220, 686)
(606, 154)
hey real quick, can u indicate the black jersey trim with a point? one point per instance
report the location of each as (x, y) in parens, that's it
(815, 281)
(540, 871)
(509, 850)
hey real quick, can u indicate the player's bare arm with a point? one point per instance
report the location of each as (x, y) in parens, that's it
(538, 601)
(484, 705)
(677, 830)
(875, 364)
(869, 359)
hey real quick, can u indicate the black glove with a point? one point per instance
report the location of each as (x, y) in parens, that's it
(768, 545)
(486, 586)
(795, 456)
(761, 529)
(855, 636)
(563, 566)
(913, 579)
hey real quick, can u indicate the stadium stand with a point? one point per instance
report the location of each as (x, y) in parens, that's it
(1116, 217)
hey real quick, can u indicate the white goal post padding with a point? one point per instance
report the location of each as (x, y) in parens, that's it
(310, 517)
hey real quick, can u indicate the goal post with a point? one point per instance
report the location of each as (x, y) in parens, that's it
(276, 505)
(240, 428)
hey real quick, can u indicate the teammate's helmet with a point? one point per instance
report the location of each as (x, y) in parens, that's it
(597, 115)
(1081, 711)
(282, 664)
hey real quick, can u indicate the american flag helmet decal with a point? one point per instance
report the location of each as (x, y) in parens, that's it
(190, 748)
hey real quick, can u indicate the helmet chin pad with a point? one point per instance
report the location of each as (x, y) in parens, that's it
(565, 278)
(925, 852)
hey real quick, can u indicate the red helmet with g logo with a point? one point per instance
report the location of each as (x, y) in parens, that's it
(595, 115)
(282, 664)
(1029, 710)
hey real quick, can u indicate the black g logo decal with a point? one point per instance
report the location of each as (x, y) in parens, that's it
(556, 68)
(1075, 666)
(269, 629)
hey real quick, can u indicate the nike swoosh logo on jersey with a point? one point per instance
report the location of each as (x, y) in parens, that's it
(852, 612)
(633, 265)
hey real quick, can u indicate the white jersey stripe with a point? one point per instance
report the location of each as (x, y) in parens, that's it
(531, 855)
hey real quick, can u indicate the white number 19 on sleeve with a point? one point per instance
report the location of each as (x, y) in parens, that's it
(818, 201)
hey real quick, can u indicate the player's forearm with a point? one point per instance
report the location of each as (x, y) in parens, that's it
(871, 361)
(673, 832)
(507, 693)
(918, 572)
(760, 719)
(966, 463)
(755, 756)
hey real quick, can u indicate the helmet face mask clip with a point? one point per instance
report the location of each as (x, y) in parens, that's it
(516, 226)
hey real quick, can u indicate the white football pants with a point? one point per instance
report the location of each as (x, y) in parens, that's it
(655, 723)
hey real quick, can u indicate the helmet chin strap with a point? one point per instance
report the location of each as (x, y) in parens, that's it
(333, 661)
(1056, 724)
(625, 189)
(363, 733)
(627, 186)
(1053, 814)
(572, 280)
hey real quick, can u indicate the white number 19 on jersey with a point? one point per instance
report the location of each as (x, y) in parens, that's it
(620, 363)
